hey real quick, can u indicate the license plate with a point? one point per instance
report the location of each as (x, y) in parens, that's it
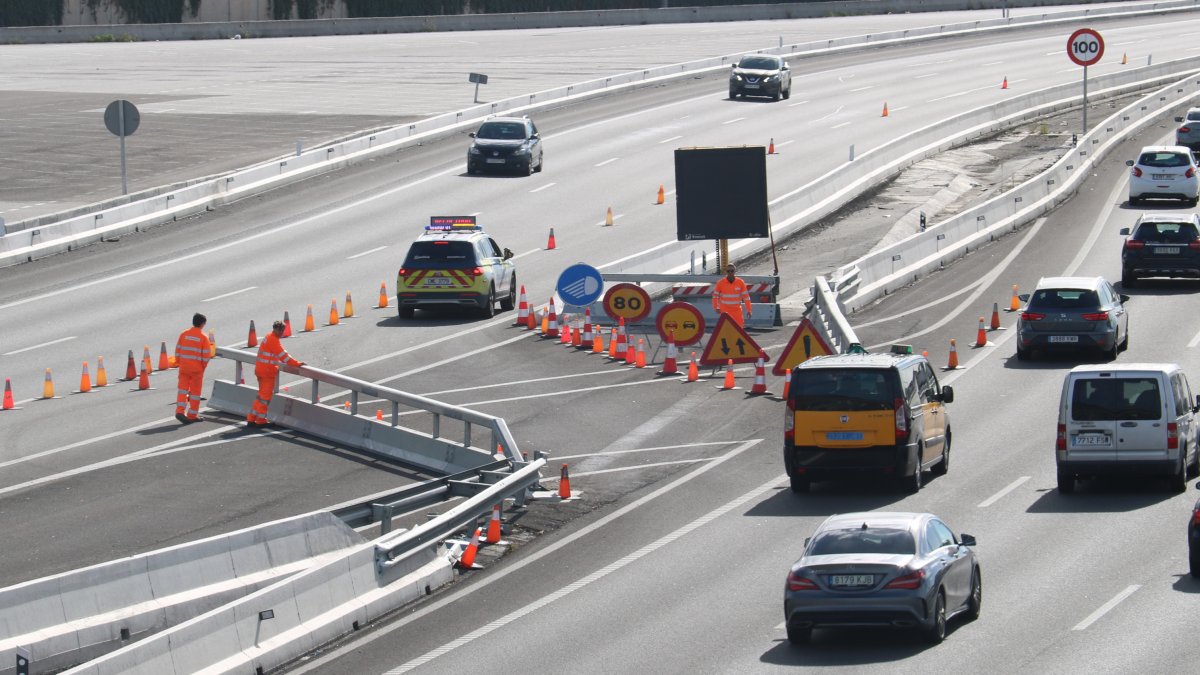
(752, 86)
(437, 281)
(1063, 338)
(1162, 176)
(1167, 250)
(852, 579)
(494, 160)
(1091, 441)
(843, 435)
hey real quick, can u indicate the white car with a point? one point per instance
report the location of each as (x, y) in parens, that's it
(1164, 172)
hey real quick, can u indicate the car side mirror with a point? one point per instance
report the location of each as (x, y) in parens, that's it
(1178, 119)
(472, 134)
(1129, 162)
(1124, 231)
(1198, 400)
(508, 253)
(1024, 297)
(947, 394)
(807, 540)
(1124, 298)
(966, 539)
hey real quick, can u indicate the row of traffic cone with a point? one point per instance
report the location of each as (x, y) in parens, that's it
(1003, 85)
(495, 531)
(981, 340)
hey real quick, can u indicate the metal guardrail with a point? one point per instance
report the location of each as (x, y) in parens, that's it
(827, 318)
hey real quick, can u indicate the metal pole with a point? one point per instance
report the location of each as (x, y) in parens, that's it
(121, 126)
(1085, 100)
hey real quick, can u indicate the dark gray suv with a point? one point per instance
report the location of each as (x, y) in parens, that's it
(760, 75)
(1161, 245)
(1188, 133)
(506, 144)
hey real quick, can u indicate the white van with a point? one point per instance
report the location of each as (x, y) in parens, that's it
(1133, 418)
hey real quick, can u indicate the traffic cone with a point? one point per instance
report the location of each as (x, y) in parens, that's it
(544, 322)
(379, 414)
(308, 320)
(467, 561)
(995, 316)
(564, 484)
(522, 310)
(1015, 303)
(287, 325)
(619, 352)
(640, 358)
(493, 533)
(1004, 84)
(787, 386)
(48, 386)
(130, 368)
(532, 323)
(550, 241)
(212, 344)
(348, 310)
(630, 353)
(693, 369)
(953, 363)
(577, 338)
(8, 397)
(101, 376)
(1125, 59)
(760, 379)
(333, 313)
(144, 378)
(730, 382)
(598, 343)
(551, 330)
(771, 147)
(252, 340)
(669, 365)
(164, 361)
(613, 340)
(383, 299)
(885, 112)
(608, 219)
(586, 339)
(662, 196)
(146, 358)
(981, 336)
(564, 335)
(85, 380)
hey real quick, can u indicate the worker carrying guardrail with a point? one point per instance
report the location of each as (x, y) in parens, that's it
(271, 355)
(729, 294)
(192, 352)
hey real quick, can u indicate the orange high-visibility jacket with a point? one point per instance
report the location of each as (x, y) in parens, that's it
(729, 295)
(271, 355)
(192, 350)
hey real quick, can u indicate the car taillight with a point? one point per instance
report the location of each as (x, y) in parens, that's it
(1095, 316)
(1137, 173)
(1061, 442)
(1133, 244)
(1172, 436)
(908, 581)
(901, 419)
(1194, 245)
(1184, 130)
(1196, 515)
(789, 421)
(477, 272)
(403, 272)
(1032, 316)
(1190, 172)
(796, 582)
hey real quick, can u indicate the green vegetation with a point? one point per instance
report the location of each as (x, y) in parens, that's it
(109, 37)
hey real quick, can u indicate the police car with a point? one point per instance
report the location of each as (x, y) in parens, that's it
(455, 263)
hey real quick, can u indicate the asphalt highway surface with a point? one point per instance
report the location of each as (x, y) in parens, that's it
(674, 556)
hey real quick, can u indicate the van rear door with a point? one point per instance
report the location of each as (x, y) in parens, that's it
(1142, 424)
(845, 407)
(1091, 423)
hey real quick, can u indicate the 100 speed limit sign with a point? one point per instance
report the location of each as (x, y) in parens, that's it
(1085, 47)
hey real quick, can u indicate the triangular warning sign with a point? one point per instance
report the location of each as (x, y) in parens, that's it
(730, 341)
(806, 343)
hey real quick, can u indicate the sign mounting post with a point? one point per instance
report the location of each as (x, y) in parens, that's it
(1085, 47)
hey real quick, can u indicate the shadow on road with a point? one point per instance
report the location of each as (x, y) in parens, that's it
(1104, 495)
(851, 647)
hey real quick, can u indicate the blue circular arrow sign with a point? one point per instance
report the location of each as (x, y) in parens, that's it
(580, 285)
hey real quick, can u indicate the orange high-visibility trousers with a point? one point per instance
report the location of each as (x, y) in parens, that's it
(734, 312)
(191, 384)
(266, 389)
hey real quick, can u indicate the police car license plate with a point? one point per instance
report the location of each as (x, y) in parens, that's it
(852, 579)
(495, 160)
(437, 281)
(843, 435)
(1063, 338)
(1167, 250)
(1091, 441)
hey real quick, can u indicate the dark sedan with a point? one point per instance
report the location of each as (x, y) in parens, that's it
(1161, 245)
(1073, 314)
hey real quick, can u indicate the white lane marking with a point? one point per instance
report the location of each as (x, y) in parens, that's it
(359, 255)
(1194, 341)
(226, 295)
(654, 449)
(44, 344)
(783, 143)
(1106, 607)
(793, 105)
(616, 217)
(1052, 53)
(585, 581)
(630, 468)
(1067, 70)
(1007, 489)
(544, 187)
(736, 119)
(1131, 42)
(819, 119)
(899, 108)
(970, 91)
(921, 77)
(668, 140)
(920, 308)
(607, 161)
(993, 63)
(870, 86)
(839, 126)
(529, 252)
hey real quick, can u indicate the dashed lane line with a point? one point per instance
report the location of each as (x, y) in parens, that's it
(1106, 607)
(39, 346)
(999, 495)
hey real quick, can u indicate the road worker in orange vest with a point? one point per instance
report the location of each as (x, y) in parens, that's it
(271, 355)
(729, 294)
(192, 351)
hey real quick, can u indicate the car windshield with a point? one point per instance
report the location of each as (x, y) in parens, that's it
(1064, 298)
(843, 389)
(887, 541)
(513, 131)
(441, 254)
(1166, 233)
(1165, 160)
(759, 63)
(1132, 398)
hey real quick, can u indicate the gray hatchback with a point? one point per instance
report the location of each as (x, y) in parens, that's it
(905, 570)
(1188, 132)
(1072, 314)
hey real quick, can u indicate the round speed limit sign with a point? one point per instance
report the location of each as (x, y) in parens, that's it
(627, 301)
(1085, 47)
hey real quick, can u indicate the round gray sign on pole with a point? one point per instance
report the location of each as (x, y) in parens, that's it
(122, 111)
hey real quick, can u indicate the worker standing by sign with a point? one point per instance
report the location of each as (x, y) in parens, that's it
(729, 294)
(271, 355)
(192, 351)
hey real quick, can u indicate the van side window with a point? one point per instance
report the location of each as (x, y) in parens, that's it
(923, 383)
(931, 391)
(908, 382)
(1181, 398)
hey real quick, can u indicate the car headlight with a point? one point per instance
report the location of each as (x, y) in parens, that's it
(770, 78)
(474, 151)
(735, 77)
(521, 150)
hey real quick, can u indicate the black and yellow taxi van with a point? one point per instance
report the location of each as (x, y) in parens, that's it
(455, 263)
(854, 414)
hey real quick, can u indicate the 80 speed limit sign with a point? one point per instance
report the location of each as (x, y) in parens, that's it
(1085, 47)
(627, 301)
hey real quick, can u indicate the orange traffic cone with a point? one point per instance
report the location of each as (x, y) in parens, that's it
(348, 310)
(308, 320)
(577, 338)
(1125, 59)
(287, 325)
(333, 313)
(995, 316)
(144, 378)
(662, 196)
(585, 340)
(669, 365)
(544, 323)
(630, 353)
(730, 382)
(608, 219)
(130, 368)
(551, 325)
(550, 241)
(85, 380)
(693, 369)
(640, 357)
(146, 358)
(467, 561)
(8, 397)
(522, 310)
(885, 111)
(1015, 303)
(564, 335)
(1004, 84)
(981, 336)
(598, 343)
(760, 379)
(493, 533)
(771, 147)
(252, 340)
(564, 484)
(613, 339)
(164, 361)
(532, 324)
(787, 386)
(48, 386)
(101, 376)
(620, 348)
(379, 414)
(953, 363)
(383, 299)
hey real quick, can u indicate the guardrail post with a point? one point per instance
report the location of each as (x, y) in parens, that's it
(466, 434)
(315, 398)
(383, 513)
(237, 372)
(395, 413)
(437, 426)
(354, 403)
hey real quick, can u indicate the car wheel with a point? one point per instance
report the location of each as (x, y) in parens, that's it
(777, 95)
(975, 602)
(529, 167)
(1024, 354)
(406, 312)
(541, 163)
(1193, 468)
(733, 94)
(935, 633)
(912, 484)
(1128, 279)
(471, 170)
(1111, 354)
(1124, 346)
(489, 305)
(1179, 478)
(1066, 483)
(1194, 561)
(801, 485)
(1193, 201)
(510, 300)
(943, 467)
(799, 636)
(787, 93)
(1134, 201)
